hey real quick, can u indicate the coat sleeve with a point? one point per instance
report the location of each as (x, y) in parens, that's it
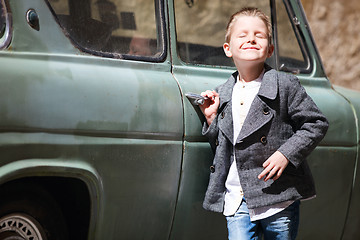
(211, 132)
(308, 123)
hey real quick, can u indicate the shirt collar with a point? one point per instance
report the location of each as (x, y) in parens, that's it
(252, 84)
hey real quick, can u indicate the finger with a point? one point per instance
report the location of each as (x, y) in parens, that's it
(278, 175)
(207, 101)
(206, 93)
(214, 95)
(270, 175)
(266, 163)
(264, 173)
(209, 97)
(209, 93)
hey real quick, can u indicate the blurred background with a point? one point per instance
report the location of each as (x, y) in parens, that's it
(335, 26)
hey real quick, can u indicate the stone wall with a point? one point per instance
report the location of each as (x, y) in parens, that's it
(335, 26)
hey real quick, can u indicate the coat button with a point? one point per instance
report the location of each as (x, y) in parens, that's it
(263, 140)
(266, 111)
(222, 114)
(212, 169)
(217, 142)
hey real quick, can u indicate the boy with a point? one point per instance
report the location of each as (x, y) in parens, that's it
(262, 125)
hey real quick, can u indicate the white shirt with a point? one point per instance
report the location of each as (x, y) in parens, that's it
(242, 97)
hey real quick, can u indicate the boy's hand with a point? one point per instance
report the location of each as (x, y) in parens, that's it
(211, 105)
(274, 166)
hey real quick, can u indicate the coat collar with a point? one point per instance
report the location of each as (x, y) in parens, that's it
(269, 85)
(254, 120)
(268, 88)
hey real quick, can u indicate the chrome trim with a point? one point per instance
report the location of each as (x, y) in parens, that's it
(6, 39)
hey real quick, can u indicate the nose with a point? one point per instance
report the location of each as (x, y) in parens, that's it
(252, 39)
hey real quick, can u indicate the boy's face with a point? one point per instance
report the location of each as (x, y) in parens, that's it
(249, 42)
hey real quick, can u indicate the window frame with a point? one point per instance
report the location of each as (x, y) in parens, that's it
(6, 38)
(294, 20)
(275, 59)
(161, 38)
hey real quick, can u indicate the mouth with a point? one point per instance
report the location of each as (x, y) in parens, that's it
(250, 48)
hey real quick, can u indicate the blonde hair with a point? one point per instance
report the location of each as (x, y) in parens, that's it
(250, 12)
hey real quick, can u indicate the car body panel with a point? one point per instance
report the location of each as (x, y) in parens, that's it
(340, 142)
(351, 229)
(61, 105)
(125, 128)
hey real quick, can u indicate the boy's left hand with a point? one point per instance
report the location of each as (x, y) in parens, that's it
(274, 166)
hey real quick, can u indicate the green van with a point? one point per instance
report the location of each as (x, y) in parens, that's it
(97, 138)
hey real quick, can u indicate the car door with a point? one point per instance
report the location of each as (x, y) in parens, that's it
(87, 83)
(199, 64)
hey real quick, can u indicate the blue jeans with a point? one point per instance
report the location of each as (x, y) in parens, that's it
(281, 226)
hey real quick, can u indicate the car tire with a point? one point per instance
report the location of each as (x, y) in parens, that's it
(29, 212)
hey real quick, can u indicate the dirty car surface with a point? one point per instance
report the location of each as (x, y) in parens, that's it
(98, 140)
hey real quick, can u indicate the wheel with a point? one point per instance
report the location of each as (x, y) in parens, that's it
(10, 236)
(20, 226)
(28, 212)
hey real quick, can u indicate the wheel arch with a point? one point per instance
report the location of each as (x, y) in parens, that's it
(74, 185)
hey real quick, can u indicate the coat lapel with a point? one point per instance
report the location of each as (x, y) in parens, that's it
(260, 112)
(225, 108)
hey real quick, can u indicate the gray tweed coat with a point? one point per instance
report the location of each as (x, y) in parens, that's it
(282, 117)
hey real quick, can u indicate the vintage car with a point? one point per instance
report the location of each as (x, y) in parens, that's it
(97, 138)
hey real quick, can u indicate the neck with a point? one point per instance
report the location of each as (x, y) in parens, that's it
(248, 73)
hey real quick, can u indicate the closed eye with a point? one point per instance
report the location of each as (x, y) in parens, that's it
(260, 35)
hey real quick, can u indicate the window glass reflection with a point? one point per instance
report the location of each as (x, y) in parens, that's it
(111, 26)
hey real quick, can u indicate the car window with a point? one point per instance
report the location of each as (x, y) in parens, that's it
(200, 27)
(292, 56)
(5, 23)
(201, 43)
(114, 28)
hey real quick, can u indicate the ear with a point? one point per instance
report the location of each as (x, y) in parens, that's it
(271, 50)
(227, 51)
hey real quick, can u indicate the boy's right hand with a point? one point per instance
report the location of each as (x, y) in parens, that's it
(210, 106)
